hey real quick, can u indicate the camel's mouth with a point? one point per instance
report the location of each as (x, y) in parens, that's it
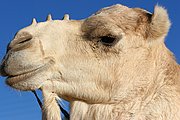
(11, 80)
(14, 79)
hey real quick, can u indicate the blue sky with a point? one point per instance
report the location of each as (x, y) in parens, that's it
(16, 14)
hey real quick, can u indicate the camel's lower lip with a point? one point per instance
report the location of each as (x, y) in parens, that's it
(11, 80)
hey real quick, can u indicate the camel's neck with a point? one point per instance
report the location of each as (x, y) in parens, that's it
(84, 111)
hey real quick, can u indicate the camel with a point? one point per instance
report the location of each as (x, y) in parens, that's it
(113, 65)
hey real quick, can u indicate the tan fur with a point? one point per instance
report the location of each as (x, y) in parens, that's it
(159, 23)
(136, 78)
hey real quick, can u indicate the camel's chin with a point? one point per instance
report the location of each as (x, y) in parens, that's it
(11, 80)
(25, 81)
(22, 83)
(31, 80)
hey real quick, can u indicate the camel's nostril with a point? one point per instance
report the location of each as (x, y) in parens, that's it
(25, 40)
(20, 40)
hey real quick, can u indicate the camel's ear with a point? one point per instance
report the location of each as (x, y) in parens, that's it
(160, 23)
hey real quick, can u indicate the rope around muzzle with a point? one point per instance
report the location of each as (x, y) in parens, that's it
(64, 112)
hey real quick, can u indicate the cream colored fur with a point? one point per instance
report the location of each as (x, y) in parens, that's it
(136, 78)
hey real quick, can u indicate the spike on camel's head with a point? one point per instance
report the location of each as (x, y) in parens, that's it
(82, 53)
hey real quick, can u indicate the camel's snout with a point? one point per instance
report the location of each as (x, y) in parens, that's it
(21, 41)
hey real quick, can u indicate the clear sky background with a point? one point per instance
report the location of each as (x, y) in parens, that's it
(16, 14)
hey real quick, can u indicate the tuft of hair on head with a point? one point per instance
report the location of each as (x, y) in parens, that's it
(160, 23)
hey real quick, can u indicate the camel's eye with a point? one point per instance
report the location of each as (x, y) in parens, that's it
(108, 40)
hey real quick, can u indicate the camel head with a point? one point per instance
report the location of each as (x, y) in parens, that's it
(84, 58)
